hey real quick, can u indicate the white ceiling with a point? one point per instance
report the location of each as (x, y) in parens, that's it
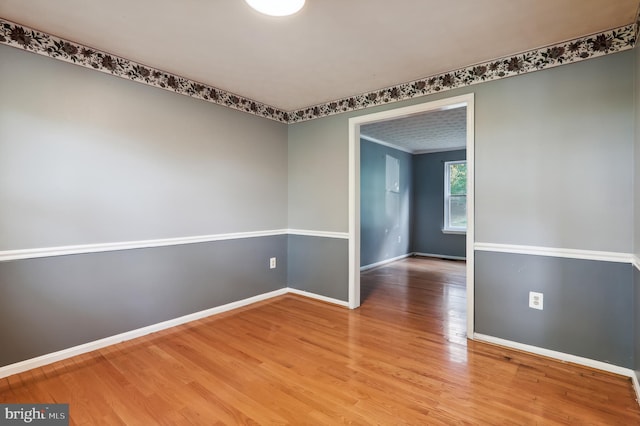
(330, 50)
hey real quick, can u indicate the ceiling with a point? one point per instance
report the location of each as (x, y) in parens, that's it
(442, 130)
(330, 50)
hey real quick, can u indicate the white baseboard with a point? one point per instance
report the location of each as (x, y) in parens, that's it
(440, 256)
(384, 262)
(404, 256)
(636, 386)
(318, 297)
(40, 361)
(43, 360)
(561, 356)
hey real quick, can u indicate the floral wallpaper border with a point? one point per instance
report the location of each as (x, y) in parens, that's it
(44, 44)
(636, 24)
(612, 41)
(580, 49)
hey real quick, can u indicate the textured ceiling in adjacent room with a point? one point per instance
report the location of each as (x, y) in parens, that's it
(432, 131)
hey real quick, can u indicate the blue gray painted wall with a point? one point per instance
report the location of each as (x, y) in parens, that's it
(417, 224)
(50, 304)
(316, 265)
(385, 216)
(569, 322)
(428, 206)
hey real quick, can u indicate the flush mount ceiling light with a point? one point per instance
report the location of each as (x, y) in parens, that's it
(276, 7)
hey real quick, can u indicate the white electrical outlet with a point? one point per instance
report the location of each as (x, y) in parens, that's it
(536, 300)
(272, 263)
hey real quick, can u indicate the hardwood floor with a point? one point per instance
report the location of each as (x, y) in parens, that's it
(402, 358)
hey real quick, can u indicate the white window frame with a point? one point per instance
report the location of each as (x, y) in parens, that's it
(447, 228)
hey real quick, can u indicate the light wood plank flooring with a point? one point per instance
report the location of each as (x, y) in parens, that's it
(402, 358)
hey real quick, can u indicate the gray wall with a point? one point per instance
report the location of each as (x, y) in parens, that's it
(318, 160)
(50, 304)
(428, 206)
(553, 157)
(90, 158)
(553, 168)
(318, 164)
(385, 217)
(316, 265)
(588, 305)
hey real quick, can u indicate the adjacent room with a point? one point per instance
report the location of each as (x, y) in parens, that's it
(359, 212)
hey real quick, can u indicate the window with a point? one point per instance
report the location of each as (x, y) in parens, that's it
(455, 197)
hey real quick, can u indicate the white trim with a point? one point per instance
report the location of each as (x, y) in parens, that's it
(387, 144)
(605, 256)
(384, 262)
(635, 261)
(438, 105)
(128, 245)
(454, 231)
(561, 356)
(34, 253)
(354, 213)
(322, 234)
(354, 189)
(448, 229)
(440, 256)
(29, 364)
(636, 385)
(318, 297)
(471, 227)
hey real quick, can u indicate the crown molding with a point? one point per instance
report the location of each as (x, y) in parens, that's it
(387, 144)
(576, 50)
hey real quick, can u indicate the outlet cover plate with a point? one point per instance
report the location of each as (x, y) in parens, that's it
(536, 300)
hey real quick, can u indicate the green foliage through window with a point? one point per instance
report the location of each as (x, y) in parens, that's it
(458, 178)
(455, 196)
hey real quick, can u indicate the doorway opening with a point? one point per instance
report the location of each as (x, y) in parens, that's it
(355, 123)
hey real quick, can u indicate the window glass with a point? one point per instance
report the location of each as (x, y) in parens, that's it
(455, 196)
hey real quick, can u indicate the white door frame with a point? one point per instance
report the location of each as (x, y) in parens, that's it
(354, 190)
